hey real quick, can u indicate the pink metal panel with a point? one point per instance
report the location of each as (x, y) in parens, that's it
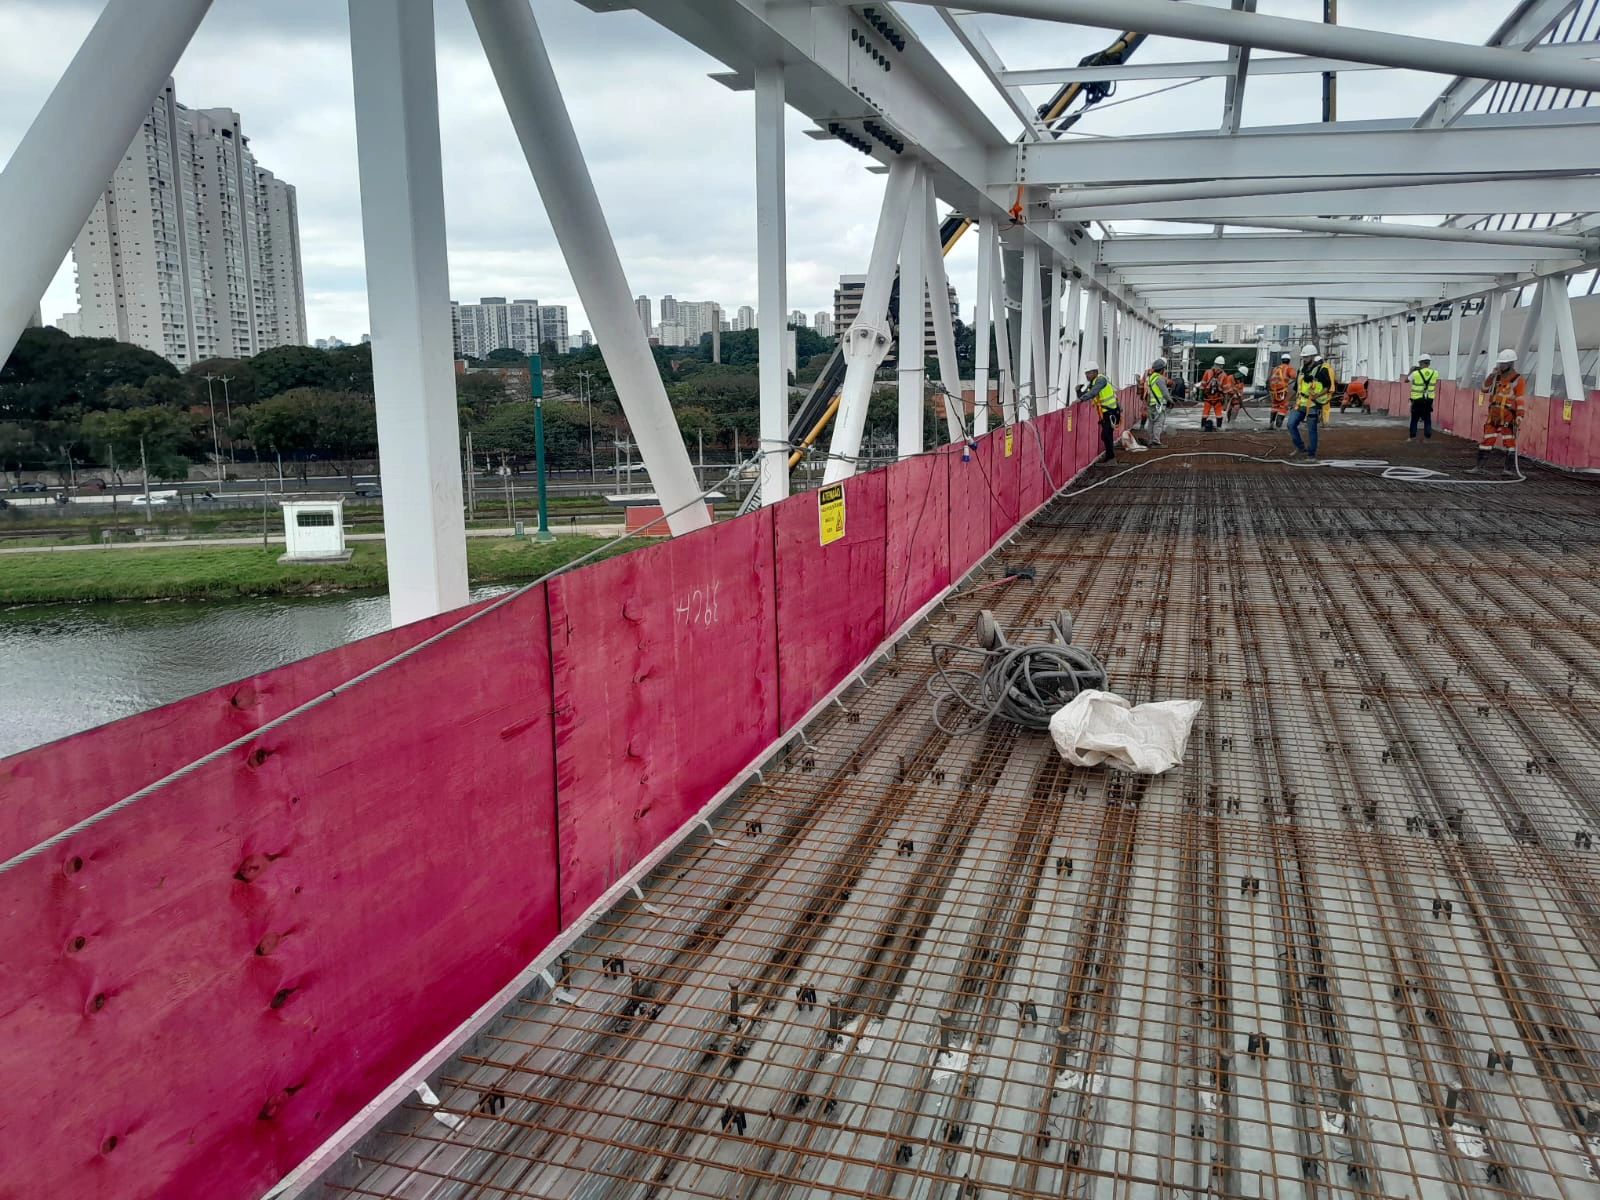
(1535, 432)
(829, 598)
(919, 536)
(1055, 441)
(1586, 432)
(1001, 471)
(1558, 436)
(665, 666)
(970, 508)
(51, 787)
(200, 989)
(1031, 464)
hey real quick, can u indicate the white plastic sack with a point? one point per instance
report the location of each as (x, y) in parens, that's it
(1102, 727)
(1129, 442)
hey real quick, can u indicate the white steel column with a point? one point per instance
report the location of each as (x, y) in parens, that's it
(1028, 382)
(62, 163)
(1455, 338)
(944, 334)
(1547, 334)
(1002, 332)
(867, 339)
(772, 283)
(913, 347)
(1052, 340)
(1531, 342)
(1559, 303)
(521, 66)
(1382, 332)
(408, 297)
(1463, 368)
(1497, 309)
(1067, 349)
(982, 330)
(1093, 345)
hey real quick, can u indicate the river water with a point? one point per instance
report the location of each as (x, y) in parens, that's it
(65, 668)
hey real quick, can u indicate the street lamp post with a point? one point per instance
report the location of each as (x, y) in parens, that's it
(227, 410)
(588, 403)
(536, 387)
(216, 448)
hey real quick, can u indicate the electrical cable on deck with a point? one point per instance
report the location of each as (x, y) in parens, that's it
(1024, 684)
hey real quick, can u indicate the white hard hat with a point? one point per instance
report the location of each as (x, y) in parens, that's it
(1507, 357)
(1091, 365)
(1219, 360)
(1308, 351)
(1288, 358)
(1244, 370)
(1424, 358)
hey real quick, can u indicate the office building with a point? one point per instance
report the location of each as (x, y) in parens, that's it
(193, 249)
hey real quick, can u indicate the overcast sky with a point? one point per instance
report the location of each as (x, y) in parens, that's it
(671, 151)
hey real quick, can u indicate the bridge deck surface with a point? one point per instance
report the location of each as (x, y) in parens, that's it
(1350, 947)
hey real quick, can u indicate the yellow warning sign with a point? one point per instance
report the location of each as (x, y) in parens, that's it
(830, 512)
(1008, 441)
(1566, 411)
(1069, 420)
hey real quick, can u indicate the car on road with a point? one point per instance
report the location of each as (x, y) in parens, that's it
(371, 490)
(30, 487)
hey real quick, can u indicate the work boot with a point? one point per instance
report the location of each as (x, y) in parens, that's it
(1411, 438)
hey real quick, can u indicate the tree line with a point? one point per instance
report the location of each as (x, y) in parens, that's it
(79, 407)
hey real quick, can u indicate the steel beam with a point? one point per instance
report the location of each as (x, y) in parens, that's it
(408, 293)
(944, 334)
(1310, 248)
(983, 327)
(1545, 141)
(912, 349)
(772, 285)
(1344, 227)
(1214, 68)
(867, 340)
(1233, 92)
(1544, 195)
(61, 165)
(1232, 28)
(1559, 301)
(1528, 23)
(977, 45)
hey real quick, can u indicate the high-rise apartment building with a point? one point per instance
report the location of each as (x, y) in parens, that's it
(797, 319)
(193, 249)
(696, 318)
(669, 309)
(553, 327)
(822, 322)
(641, 305)
(847, 307)
(745, 318)
(495, 323)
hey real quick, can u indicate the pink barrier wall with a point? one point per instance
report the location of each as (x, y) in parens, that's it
(1000, 469)
(1031, 464)
(48, 788)
(203, 987)
(665, 667)
(970, 508)
(200, 990)
(829, 598)
(919, 536)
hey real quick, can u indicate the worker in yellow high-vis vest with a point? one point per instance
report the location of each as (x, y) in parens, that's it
(1098, 389)
(1424, 391)
(1315, 392)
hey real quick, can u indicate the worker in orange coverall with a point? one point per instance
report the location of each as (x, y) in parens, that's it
(1505, 393)
(1215, 385)
(1279, 385)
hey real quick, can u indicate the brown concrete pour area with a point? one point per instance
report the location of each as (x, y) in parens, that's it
(1350, 947)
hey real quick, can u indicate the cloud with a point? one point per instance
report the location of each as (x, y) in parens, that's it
(670, 150)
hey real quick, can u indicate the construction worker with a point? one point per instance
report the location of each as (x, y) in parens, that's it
(1424, 391)
(1506, 393)
(1097, 388)
(1235, 394)
(1279, 384)
(1214, 387)
(1355, 395)
(1158, 392)
(1314, 391)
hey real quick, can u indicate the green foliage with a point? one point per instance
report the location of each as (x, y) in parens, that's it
(50, 372)
(509, 429)
(163, 434)
(285, 368)
(310, 421)
(507, 355)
